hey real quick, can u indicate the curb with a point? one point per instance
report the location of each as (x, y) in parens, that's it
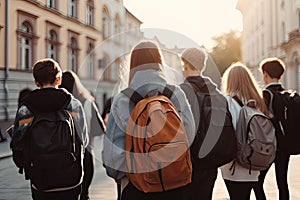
(7, 155)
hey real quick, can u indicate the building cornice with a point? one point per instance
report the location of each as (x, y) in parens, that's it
(243, 5)
(60, 14)
(294, 40)
(290, 44)
(130, 13)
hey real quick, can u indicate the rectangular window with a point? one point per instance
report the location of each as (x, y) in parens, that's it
(72, 8)
(25, 53)
(51, 3)
(299, 19)
(89, 15)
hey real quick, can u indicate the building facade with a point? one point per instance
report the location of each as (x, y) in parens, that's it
(74, 32)
(271, 28)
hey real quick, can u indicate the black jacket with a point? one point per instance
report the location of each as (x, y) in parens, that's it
(277, 111)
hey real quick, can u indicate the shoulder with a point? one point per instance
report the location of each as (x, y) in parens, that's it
(178, 91)
(120, 106)
(179, 98)
(23, 111)
(232, 104)
(74, 105)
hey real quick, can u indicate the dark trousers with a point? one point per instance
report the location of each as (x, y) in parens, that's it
(72, 194)
(239, 190)
(131, 193)
(88, 168)
(202, 184)
(281, 170)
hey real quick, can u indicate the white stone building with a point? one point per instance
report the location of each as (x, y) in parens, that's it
(271, 28)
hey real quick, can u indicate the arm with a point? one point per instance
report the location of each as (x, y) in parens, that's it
(78, 115)
(114, 154)
(22, 124)
(184, 110)
(234, 109)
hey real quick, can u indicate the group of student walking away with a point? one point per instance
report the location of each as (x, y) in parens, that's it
(161, 141)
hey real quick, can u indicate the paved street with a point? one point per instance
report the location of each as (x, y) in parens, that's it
(13, 186)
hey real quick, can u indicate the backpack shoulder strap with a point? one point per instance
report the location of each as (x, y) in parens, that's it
(238, 100)
(98, 116)
(168, 91)
(134, 96)
(271, 100)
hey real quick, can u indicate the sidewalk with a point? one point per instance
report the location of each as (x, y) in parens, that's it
(4, 149)
(4, 146)
(104, 187)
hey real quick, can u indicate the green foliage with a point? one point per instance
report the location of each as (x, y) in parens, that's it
(227, 49)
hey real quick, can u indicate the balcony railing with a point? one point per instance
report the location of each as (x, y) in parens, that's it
(294, 34)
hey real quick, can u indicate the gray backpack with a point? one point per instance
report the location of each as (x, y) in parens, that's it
(256, 140)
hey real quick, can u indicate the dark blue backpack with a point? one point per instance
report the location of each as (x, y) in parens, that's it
(287, 114)
(53, 151)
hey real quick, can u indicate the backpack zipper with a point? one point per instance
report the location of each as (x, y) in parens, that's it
(285, 113)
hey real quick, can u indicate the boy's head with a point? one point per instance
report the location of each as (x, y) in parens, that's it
(274, 67)
(47, 72)
(194, 59)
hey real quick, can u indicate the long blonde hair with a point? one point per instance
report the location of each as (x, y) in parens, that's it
(238, 80)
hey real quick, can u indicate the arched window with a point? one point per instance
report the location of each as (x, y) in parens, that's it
(52, 45)
(299, 18)
(117, 29)
(73, 48)
(26, 47)
(90, 13)
(105, 22)
(90, 60)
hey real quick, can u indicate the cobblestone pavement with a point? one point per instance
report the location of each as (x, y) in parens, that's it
(13, 186)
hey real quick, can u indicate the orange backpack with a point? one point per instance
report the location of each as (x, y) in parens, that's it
(157, 147)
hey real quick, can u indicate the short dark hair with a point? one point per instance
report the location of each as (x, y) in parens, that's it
(273, 66)
(45, 71)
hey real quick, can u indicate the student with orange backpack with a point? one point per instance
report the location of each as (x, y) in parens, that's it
(146, 146)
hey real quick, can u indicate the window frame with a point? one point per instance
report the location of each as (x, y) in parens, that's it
(73, 53)
(72, 8)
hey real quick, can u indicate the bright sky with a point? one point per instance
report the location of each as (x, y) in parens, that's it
(197, 20)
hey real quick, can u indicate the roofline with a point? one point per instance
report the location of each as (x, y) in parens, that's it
(130, 13)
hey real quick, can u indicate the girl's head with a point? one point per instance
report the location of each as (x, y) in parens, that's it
(238, 80)
(143, 56)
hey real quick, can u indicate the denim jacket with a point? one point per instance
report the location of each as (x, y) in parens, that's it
(114, 142)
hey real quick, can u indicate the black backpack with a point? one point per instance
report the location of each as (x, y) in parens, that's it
(53, 151)
(215, 141)
(287, 114)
